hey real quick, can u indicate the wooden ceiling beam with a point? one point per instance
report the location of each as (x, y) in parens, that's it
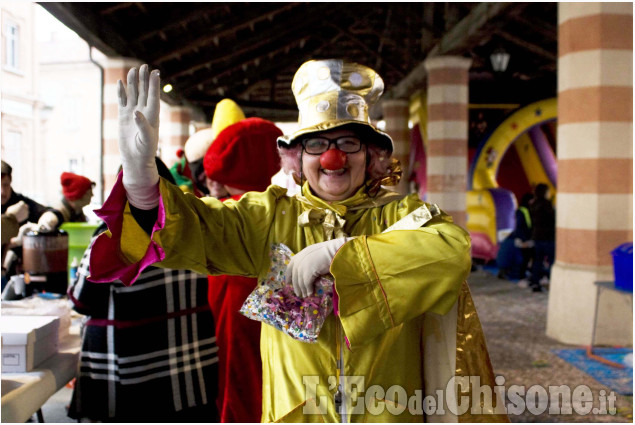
(267, 69)
(396, 45)
(142, 7)
(428, 31)
(114, 8)
(298, 34)
(219, 57)
(246, 61)
(460, 37)
(383, 38)
(533, 48)
(451, 15)
(216, 77)
(275, 35)
(538, 26)
(286, 78)
(247, 20)
(175, 20)
(328, 44)
(188, 28)
(363, 18)
(365, 48)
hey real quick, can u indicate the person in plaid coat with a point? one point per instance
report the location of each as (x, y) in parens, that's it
(149, 351)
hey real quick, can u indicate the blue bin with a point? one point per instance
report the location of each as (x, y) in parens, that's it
(623, 266)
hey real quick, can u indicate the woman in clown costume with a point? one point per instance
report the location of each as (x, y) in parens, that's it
(403, 317)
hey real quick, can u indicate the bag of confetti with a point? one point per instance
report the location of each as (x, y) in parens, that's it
(273, 302)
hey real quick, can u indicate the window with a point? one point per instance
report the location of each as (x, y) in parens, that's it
(12, 45)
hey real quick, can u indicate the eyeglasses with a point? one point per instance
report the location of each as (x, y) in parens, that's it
(319, 145)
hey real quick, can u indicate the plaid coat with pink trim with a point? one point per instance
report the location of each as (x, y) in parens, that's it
(148, 351)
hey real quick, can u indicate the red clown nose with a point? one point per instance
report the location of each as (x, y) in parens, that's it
(333, 159)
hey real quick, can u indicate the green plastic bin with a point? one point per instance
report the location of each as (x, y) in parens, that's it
(79, 235)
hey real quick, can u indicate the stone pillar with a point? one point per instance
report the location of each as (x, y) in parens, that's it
(114, 70)
(174, 131)
(594, 209)
(447, 156)
(396, 114)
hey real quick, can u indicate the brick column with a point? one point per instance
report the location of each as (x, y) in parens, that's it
(396, 114)
(594, 211)
(447, 165)
(114, 70)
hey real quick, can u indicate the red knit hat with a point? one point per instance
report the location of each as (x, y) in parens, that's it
(74, 186)
(244, 155)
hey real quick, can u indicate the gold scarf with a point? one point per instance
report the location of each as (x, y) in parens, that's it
(331, 214)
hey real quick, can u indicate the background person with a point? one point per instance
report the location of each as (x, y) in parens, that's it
(149, 351)
(77, 192)
(543, 217)
(227, 112)
(242, 158)
(523, 236)
(11, 197)
(11, 218)
(392, 288)
(18, 213)
(516, 250)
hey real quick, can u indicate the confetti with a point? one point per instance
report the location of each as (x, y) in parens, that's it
(273, 302)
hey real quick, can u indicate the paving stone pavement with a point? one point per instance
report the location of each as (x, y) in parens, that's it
(514, 320)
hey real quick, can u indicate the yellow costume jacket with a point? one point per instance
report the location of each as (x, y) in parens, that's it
(406, 324)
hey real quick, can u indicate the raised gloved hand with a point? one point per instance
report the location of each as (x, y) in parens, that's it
(24, 229)
(139, 136)
(47, 222)
(311, 263)
(19, 210)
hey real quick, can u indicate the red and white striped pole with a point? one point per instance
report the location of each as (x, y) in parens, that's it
(447, 167)
(594, 210)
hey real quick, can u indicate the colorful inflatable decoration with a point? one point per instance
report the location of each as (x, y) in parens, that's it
(418, 143)
(490, 208)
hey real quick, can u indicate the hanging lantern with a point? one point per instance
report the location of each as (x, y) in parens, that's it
(499, 59)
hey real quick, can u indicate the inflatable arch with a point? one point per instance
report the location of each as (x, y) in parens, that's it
(490, 208)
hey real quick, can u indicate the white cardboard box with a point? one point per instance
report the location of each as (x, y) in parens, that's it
(36, 306)
(27, 341)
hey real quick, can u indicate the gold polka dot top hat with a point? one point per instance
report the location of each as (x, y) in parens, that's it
(334, 93)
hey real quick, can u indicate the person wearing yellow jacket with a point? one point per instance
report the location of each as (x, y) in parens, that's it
(404, 327)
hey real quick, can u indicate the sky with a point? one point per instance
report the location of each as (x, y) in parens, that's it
(46, 25)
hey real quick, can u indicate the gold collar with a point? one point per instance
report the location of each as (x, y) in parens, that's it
(331, 214)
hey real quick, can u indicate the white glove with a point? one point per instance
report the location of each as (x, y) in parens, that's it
(20, 211)
(47, 222)
(311, 263)
(139, 136)
(24, 229)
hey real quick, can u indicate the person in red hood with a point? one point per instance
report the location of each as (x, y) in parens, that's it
(242, 158)
(77, 191)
